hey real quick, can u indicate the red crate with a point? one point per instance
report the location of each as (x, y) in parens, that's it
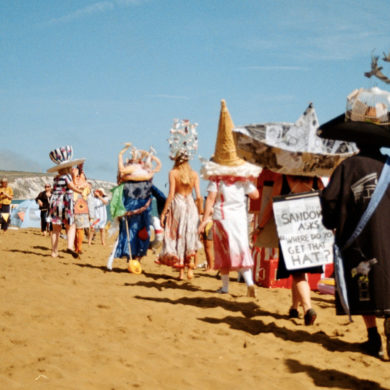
(266, 265)
(265, 268)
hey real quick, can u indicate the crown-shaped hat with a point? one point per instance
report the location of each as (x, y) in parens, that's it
(62, 157)
(225, 149)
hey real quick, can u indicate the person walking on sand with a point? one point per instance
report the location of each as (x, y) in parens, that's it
(180, 217)
(43, 200)
(98, 214)
(271, 184)
(81, 212)
(230, 184)
(61, 209)
(6, 195)
(366, 260)
(131, 203)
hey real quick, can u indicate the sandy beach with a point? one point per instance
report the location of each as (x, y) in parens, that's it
(69, 324)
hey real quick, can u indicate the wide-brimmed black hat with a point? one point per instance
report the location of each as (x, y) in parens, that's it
(355, 131)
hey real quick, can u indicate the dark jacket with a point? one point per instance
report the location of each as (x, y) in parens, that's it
(343, 202)
(44, 199)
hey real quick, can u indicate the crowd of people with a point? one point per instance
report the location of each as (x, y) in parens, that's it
(221, 220)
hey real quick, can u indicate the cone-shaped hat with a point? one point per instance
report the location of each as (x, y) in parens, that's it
(225, 148)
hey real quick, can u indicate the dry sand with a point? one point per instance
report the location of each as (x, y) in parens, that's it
(69, 324)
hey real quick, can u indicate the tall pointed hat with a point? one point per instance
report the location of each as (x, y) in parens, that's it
(225, 148)
(225, 161)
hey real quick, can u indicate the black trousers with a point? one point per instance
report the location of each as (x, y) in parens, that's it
(44, 225)
(5, 208)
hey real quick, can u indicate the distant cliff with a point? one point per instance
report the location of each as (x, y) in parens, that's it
(27, 185)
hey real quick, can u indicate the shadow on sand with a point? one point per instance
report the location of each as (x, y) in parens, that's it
(332, 378)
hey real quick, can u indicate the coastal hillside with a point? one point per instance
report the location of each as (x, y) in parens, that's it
(27, 185)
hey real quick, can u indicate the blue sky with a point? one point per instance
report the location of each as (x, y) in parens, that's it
(95, 74)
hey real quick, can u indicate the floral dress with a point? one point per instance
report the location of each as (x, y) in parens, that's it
(61, 203)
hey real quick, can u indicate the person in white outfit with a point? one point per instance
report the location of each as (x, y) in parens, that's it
(231, 183)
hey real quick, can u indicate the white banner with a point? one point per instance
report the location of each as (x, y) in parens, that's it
(304, 240)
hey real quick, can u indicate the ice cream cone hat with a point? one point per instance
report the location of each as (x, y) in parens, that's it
(225, 149)
(225, 161)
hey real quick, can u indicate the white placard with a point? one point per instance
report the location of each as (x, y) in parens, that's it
(304, 240)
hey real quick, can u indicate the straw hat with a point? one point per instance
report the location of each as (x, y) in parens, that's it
(101, 190)
(225, 149)
(366, 119)
(62, 157)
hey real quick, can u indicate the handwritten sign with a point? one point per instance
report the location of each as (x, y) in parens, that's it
(304, 240)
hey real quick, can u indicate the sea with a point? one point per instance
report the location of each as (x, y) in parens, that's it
(15, 202)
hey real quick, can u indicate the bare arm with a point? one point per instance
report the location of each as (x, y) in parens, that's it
(158, 164)
(103, 199)
(210, 201)
(254, 194)
(172, 188)
(121, 166)
(199, 200)
(72, 187)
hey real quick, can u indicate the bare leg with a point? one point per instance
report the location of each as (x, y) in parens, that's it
(71, 233)
(294, 296)
(302, 291)
(208, 248)
(369, 321)
(191, 266)
(54, 240)
(103, 236)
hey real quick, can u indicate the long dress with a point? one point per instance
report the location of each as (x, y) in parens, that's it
(230, 223)
(97, 212)
(136, 199)
(180, 241)
(61, 203)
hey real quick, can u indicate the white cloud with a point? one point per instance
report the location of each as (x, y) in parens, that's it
(95, 8)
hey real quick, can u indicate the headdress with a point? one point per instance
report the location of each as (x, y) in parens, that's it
(225, 161)
(292, 148)
(183, 141)
(365, 121)
(62, 157)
